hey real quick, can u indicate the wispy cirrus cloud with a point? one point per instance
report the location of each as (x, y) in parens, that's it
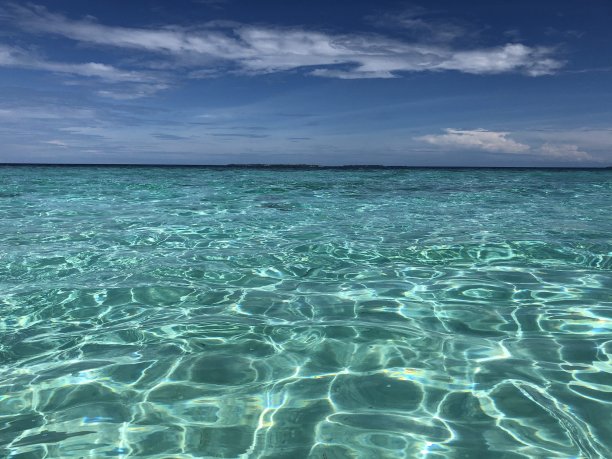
(135, 91)
(57, 143)
(133, 83)
(15, 57)
(217, 47)
(423, 25)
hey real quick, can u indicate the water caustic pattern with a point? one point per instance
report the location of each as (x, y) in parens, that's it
(222, 313)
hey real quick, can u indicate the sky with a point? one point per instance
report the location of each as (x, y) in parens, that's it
(430, 83)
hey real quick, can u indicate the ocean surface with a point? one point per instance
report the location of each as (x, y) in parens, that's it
(185, 313)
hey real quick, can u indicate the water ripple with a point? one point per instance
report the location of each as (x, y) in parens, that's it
(188, 313)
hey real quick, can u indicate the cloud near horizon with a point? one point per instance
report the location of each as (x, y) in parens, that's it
(479, 139)
(565, 151)
(216, 48)
(500, 142)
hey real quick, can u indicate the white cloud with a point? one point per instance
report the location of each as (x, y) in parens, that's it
(589, 138)
(478, 139)
(47, 112)
(351, 74)
(564, 152)
(90, 69)
(136, 91)
(134, 84)
(253, 50)
(14, 57)
(57, 143)
(500, 142)
(508, 58)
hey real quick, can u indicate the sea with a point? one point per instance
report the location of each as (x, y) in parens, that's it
(305, 312)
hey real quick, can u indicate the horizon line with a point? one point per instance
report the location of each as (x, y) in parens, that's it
(293, 166)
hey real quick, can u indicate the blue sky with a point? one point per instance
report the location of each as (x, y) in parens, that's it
(436, 83)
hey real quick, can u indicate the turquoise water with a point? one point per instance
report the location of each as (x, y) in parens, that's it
(224, 313)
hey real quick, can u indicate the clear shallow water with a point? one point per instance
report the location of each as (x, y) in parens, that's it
(183, 313)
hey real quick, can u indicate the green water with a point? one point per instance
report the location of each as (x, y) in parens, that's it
(223, 313)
